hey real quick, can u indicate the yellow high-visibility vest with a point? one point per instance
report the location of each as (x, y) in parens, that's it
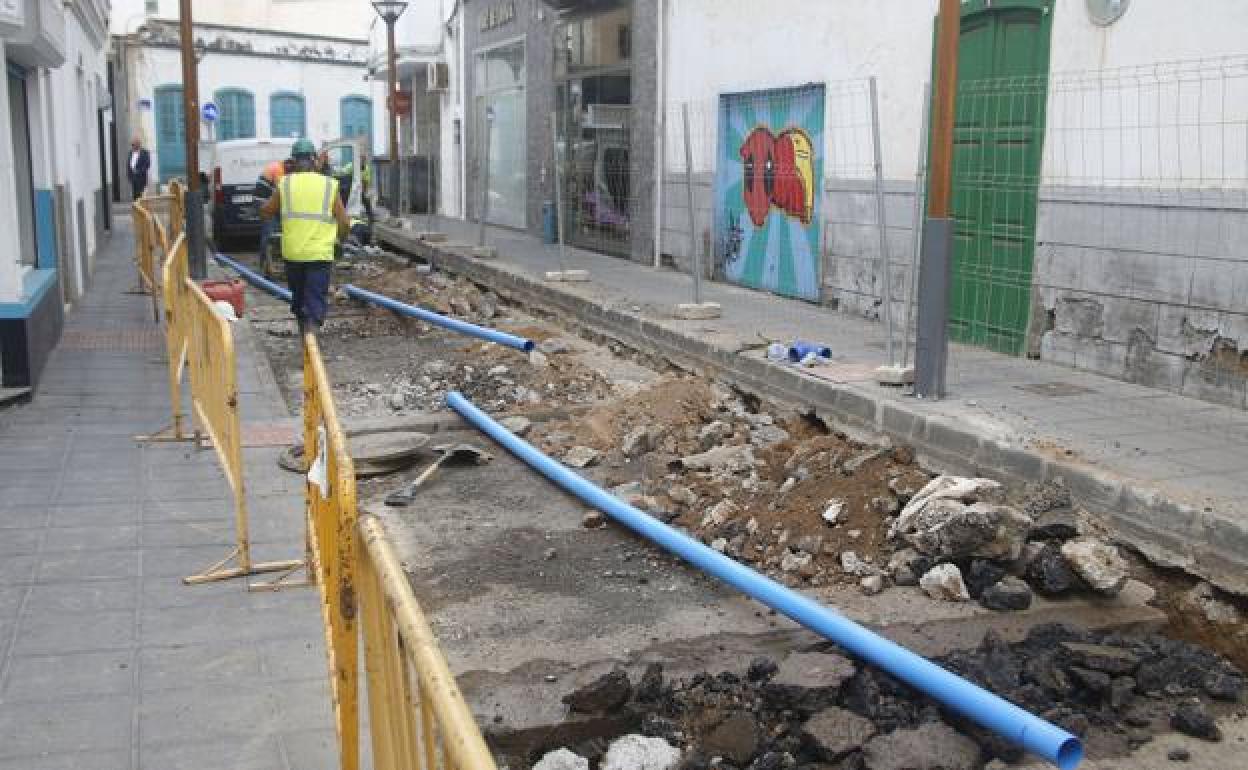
(309, 229)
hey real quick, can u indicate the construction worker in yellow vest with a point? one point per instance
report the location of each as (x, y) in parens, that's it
(313, 220)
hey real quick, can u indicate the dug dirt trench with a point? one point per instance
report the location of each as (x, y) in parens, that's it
(535, 600)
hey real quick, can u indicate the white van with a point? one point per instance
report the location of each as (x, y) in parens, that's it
(232, 168)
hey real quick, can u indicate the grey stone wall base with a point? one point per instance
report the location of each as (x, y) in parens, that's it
(1212, 546)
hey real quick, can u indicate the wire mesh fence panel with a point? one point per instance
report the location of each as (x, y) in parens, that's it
(1100, 224)
(786, 200)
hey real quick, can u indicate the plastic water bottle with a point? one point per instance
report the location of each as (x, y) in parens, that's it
(777, 352)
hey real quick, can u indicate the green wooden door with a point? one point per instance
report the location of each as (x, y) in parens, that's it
(998, 140)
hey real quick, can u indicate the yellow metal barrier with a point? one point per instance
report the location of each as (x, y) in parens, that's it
(331, 544)
(214, 405)
(177, 209)
(173, 283)
(415, 707)
(148, 238)
(417, 715)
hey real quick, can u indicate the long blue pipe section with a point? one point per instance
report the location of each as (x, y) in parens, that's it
(971, 701)
(455, 325)
(253, 278)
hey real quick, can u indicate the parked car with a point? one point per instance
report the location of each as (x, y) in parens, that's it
(235, 165)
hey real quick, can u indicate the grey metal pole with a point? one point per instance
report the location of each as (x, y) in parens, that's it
(931, 350)
(920, 176)
(483, 211)
(881, 223)
(554, 139)
(430, 137)
(695, 254)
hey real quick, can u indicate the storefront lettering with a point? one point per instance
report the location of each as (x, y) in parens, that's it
(497, 15)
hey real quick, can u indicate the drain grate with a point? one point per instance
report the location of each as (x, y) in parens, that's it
(1055, 389)
(123, 338)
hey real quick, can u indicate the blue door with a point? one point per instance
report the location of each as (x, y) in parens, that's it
(170, 133)
(237, 119)
(357, 117)
(286, 115)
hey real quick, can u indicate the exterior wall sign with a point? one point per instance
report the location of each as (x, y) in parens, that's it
(498, 15)
(768, 187)
(11, 13)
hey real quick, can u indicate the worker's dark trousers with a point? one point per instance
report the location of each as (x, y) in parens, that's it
(309, 290)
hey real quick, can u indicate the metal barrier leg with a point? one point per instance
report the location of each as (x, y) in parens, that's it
(241, 556)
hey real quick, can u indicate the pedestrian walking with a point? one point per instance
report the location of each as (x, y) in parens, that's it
(313, 220)
(139, 166)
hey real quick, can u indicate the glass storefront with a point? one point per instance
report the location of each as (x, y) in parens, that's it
(499, 81)
(593, 85)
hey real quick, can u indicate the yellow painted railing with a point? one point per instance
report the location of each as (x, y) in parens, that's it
(177, 208)
(148, 242)
(174, 280)
(417, 716)
(418, 719)
(331, 514)
(214, 404)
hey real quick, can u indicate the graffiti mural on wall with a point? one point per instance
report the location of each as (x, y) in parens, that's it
(767, 189)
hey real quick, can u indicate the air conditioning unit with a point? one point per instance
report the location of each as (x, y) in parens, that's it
(439, 76)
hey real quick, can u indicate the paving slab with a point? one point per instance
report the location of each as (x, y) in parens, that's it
(107, 661)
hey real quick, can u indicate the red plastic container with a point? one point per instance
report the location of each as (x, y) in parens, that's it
(230, 291)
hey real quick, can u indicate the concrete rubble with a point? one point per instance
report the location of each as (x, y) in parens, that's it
(944, 583)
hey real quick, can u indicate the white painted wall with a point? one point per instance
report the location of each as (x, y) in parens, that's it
(322, 86)
(10, 246)
(329, 18)
(74, 104)
(717, 46)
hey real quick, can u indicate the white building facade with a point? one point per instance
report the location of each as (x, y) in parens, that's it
(55, 124)
(264, 84)
(1101, 181)
(428, 42)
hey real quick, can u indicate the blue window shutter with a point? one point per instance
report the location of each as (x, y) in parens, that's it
(357, 117)
(287, 115)
(237, 114)
(170, 132)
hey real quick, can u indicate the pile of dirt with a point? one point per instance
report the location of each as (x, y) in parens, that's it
(818, 708)
(810, 507)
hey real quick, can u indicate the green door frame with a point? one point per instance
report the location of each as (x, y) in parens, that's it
(998, 317)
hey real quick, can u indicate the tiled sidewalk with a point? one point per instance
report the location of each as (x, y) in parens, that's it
(106, 659)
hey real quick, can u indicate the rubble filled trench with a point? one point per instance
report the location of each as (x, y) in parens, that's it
(804, 504)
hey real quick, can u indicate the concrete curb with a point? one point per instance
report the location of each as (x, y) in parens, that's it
(1206, 543)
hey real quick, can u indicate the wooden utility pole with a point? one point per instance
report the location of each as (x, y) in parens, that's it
(941, 173)
(190, 102)
(932, 339)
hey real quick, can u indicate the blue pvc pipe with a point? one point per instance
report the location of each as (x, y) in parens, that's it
(971, 701)
(455, 325)
(253, 278)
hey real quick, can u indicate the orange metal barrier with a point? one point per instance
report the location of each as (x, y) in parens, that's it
(417, 716)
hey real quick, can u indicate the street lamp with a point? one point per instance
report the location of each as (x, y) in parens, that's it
(390, 11)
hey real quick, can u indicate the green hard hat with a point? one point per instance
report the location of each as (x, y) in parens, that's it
(303, 147)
